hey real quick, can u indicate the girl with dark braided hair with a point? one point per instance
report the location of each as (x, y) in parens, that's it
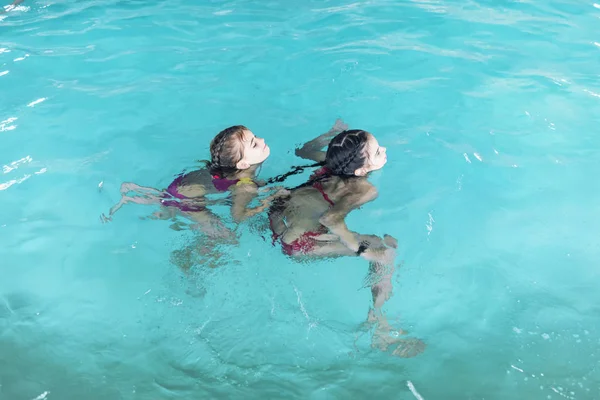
(236, 153)
(310, 221)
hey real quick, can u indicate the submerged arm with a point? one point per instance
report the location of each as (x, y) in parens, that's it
(243, 195)
(313, 150)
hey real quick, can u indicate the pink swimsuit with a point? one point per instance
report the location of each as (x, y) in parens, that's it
(221, 184)
(307, 242)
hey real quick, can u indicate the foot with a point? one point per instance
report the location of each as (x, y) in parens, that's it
(408, 348)
(182, 258)
(404, 348)
(178, 226)
(161, 215)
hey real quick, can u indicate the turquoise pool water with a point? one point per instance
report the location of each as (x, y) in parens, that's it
(489, 111)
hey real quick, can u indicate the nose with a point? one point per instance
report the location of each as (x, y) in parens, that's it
(383, 149)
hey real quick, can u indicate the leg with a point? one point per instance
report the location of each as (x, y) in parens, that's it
(211, 225)
(204, 248)
(381, 290)
(381, 270)
(142, 195)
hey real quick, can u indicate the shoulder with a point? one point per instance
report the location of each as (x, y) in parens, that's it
(351, 184)
(360, 189)
(196, 176)
(362, 183)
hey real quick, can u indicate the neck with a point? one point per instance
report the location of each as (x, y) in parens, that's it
(245, 173)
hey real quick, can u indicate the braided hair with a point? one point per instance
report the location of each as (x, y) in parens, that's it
(295, 170)
(224, 155)
(345, 153)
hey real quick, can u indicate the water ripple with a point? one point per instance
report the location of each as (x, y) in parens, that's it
(488, 110)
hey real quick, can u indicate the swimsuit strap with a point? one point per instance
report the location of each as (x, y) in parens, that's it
(321, 171)
(223, 184)
(244, 181)
(319, 187)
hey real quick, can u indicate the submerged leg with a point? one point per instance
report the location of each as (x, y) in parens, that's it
(381, 270)
(380, 276)
(211, 225)
(202, 250)
(206, 247)
(142, 195)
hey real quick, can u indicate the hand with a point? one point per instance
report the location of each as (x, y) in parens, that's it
(390, 241)
(385, 256)
(267, 189)
(323, 140)
(282, 192)
(339, 126)
(266, 202)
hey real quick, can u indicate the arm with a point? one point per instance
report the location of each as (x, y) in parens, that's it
(313, 150)
(361, 193)
(378, 250)
(243, 195)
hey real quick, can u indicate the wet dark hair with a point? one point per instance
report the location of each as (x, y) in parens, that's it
(295, 170)
(224, 156)
(345, 153)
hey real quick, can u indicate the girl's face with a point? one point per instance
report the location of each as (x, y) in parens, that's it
(254, 150)
(375, 157)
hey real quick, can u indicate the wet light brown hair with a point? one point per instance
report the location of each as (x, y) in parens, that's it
(226, 150)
